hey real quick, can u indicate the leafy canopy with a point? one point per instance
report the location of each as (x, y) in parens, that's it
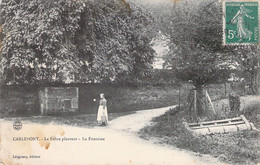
(194, 28)
(94, 41)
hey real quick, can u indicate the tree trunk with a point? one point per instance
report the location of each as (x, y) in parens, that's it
(199, 106)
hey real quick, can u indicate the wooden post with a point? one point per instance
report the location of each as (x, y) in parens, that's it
(207, 95)
(179, 98)
(191, 105)
(195, 103)
(206, 100)
(225, 88)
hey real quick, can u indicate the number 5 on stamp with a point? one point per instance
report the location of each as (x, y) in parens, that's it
(241, 22)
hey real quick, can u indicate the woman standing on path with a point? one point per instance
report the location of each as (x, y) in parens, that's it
(102, 116)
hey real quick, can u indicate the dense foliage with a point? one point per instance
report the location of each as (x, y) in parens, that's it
(197, 54)
(86, 41)
(194, 29)
(248, 58)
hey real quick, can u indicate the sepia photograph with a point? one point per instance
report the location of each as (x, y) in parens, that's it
(129, 82)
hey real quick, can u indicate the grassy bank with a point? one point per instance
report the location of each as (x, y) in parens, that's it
(236, 148)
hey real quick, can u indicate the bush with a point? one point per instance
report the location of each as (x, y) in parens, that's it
(252, 113)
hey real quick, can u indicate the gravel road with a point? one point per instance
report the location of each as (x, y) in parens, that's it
(118, 143)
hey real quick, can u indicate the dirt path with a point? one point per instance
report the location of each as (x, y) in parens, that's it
(121, 145)
(134, 122)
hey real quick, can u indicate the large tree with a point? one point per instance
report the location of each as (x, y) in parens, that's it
(46, 40)
(197, 53)
(194, 29)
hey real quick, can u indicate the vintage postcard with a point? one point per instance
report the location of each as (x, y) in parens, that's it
(129, 82)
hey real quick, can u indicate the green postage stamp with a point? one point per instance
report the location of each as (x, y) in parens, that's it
(241, 22)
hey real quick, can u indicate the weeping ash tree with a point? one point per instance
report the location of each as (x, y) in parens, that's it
(197, 54)
(194, 29)
(46, 41)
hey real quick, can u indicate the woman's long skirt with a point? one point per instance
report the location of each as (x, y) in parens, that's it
(102, 112)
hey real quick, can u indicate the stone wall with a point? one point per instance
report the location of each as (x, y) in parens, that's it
(57, 99)
(18, 100)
